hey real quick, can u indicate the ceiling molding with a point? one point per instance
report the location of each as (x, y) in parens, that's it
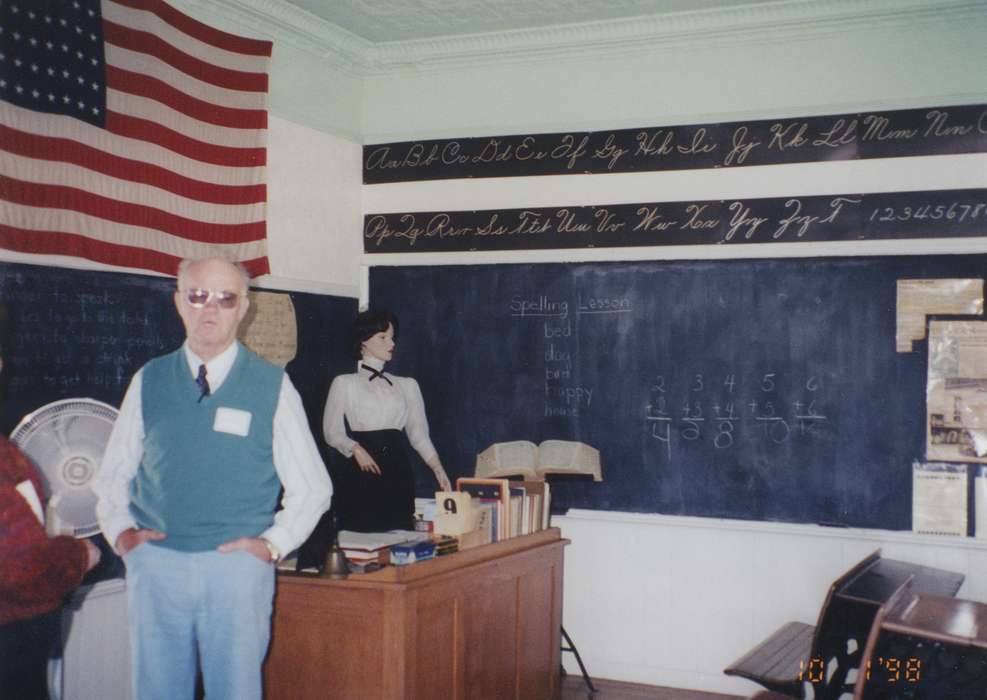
(803, 18)
(280, 21)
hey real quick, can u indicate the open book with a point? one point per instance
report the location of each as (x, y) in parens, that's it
(533, 462)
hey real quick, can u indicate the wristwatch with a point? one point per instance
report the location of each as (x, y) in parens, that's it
(272, 549)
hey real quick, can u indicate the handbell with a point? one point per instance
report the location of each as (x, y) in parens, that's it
(336, 566)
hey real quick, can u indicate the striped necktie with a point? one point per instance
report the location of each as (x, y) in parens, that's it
(202, 382)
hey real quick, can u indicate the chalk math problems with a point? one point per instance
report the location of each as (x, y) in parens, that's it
(725, 409)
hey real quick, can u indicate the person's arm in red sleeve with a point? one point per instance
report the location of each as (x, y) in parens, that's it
(38, 571)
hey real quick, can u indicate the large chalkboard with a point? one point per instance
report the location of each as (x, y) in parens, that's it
(752, 389)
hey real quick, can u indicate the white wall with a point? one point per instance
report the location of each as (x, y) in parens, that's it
(314, 217)
(699, 70)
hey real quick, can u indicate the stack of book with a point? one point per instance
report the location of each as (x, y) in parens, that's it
(445, 544)
(368, 551)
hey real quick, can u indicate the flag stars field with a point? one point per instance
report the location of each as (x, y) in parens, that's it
(131, 134)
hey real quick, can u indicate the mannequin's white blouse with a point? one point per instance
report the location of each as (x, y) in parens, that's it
(376, 405)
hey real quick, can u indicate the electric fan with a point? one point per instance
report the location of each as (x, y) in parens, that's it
(65, 440)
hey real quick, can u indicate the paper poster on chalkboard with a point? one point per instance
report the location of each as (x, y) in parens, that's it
(939, 499)
(918, 299)
(957, 391)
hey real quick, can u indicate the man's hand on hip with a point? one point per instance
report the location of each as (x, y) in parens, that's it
(253, 545)
(134, 537)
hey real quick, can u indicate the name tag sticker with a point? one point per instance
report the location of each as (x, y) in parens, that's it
(233, 421)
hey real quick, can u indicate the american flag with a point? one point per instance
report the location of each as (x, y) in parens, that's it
(130, 134)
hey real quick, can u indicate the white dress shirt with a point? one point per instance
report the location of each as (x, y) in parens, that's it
(376, 405)
(299, 466)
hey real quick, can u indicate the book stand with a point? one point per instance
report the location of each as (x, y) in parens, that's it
(582, 669)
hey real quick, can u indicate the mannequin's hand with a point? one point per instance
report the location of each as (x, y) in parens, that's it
(441, 476)
(365, 461)
(444, 483)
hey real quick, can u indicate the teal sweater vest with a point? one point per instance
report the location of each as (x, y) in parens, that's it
(198, 485)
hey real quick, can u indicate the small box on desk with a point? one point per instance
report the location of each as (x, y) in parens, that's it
(410, 552)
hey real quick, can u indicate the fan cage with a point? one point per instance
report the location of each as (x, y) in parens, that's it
(45, 420)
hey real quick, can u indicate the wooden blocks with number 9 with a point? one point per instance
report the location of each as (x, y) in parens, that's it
(455, 514)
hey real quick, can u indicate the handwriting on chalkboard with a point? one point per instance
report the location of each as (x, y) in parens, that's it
(887, 215)
(70, 340)
(558, 329)
(725, 409)
(911, 132)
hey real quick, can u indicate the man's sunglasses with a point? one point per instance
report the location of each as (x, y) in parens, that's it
(198, 298)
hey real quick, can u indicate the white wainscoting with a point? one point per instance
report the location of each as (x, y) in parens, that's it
(667, 600)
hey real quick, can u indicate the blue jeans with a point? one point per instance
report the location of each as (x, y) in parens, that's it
(184, 606)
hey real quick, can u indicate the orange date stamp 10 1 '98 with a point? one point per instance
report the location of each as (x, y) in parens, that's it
(889, 670)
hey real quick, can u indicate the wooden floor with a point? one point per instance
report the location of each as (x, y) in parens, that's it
(573, 688)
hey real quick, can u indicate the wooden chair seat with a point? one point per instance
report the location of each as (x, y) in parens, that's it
(778, 662)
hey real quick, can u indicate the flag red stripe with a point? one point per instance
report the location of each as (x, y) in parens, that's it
(147, 43)
(69, 151)
(58, 243)
(202, 32)
(145, 130)
(73, 199)
(72, 244)
(160, 91)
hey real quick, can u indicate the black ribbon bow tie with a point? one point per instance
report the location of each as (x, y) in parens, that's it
(374, 373)
(202, 382)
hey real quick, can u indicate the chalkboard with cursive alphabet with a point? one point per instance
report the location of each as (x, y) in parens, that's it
(841, 217)
(888, 134)
(751, 389)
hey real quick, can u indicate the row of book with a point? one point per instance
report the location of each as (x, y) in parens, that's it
(501, 508)
(487, 510)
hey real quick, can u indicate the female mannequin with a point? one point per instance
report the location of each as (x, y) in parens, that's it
(376, 492)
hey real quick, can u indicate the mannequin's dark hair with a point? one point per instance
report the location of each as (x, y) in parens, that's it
(368, 324)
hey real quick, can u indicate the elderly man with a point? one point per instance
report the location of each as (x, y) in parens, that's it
(206, 437)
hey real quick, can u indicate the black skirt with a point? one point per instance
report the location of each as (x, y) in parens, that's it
(369, 502)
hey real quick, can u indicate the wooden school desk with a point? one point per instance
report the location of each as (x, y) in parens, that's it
(482, 623)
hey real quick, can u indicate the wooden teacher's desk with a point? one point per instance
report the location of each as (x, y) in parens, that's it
(482, 623)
